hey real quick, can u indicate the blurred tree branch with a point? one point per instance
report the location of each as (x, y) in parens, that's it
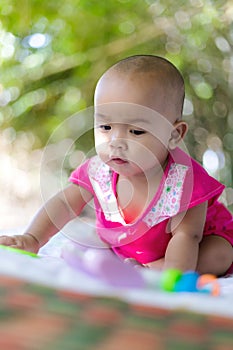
(43, 83)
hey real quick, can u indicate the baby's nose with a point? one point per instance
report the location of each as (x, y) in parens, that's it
(118, 143)
(118, 139)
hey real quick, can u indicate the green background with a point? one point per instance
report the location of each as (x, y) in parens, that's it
(41, 85)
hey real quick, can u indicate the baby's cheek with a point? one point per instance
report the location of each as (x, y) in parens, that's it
(145, 155)
(100, 145)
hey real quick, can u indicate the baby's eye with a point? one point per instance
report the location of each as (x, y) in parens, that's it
(105, 127)
(137, 132)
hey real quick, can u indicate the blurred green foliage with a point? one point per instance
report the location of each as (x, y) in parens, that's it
(52, 54)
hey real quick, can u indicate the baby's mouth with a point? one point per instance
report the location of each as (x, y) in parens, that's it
(118, 161)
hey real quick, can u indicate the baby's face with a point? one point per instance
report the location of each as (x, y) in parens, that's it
(132, 124)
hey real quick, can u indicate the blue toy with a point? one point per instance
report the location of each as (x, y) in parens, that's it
(187, 282)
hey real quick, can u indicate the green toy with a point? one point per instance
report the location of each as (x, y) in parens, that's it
(20, 251)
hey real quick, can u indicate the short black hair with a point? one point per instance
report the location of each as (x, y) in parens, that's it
(158, 66)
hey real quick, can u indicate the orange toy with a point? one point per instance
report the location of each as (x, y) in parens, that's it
(209, 281)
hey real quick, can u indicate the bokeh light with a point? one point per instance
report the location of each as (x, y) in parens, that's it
(210, 161)
(51, 59)
(38, 40)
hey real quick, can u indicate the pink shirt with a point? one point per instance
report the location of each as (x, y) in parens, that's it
(184, 185)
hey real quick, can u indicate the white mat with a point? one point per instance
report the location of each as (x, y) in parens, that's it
(51, 270)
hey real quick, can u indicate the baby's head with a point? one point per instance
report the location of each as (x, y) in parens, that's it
(138, 110)
(149, 81)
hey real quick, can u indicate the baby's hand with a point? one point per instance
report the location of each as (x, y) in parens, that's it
(156, 265)
(25, 242)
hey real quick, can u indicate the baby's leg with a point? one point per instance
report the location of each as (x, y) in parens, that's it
(215, 255)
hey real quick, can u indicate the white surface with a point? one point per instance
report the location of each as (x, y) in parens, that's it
(51, 270)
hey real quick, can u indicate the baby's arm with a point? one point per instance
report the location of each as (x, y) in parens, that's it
(59, 210)
(187, 232)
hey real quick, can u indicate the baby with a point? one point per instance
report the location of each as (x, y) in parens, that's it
(153, 202)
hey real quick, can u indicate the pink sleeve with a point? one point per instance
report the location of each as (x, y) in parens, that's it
(80, 177)
(199, 187)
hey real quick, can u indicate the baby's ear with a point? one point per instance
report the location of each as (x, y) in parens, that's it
(178, 133)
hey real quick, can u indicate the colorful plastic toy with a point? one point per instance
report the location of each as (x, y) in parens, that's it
(103, 264)
(209, 283)
(20, 251)
(190, 281)
(169, 279)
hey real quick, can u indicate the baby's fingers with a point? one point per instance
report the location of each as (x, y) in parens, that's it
(8, 240)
